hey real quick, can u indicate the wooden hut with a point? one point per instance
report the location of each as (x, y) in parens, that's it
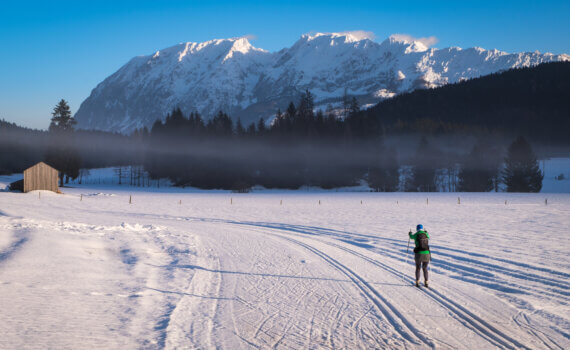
(41, 177)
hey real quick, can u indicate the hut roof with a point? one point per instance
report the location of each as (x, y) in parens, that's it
(39, 164)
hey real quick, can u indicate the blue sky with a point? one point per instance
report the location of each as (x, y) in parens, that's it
(63, 49)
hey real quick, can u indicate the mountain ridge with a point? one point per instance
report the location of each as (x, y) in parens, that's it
(248, 83)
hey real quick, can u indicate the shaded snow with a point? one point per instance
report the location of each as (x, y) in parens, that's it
(281, 270)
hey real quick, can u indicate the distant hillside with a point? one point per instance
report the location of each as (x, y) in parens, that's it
(248, 83)
(529, 101)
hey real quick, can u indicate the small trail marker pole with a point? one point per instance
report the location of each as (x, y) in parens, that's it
(427, 201)
(281, 202)
(39, 195)
(458, 200)
(505, 202)
(180, 202)
(361, 202)
(231, 200)
(546, 201)
(319, 202)
(408, 249)
(130, 199)
(398, 202)
(81, 198)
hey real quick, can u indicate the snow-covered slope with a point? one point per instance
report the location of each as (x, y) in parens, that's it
(181, 270)
(234, 76)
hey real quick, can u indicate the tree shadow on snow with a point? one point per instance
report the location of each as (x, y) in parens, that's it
(188, 294)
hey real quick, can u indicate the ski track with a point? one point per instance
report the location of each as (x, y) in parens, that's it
(182, 282)
(349, 238)
(487, 331)
(398, 322)
(481, 277)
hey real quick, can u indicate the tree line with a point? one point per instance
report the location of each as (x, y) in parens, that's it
(302, 146)
(532, 102)
(306, 148)
(64, 147)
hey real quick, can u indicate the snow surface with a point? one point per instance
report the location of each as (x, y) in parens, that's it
(107, 178)
(280, 270)
(234, 76)
(552, 168)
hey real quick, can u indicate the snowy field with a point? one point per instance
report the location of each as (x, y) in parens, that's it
(176, 269)
(556, 180)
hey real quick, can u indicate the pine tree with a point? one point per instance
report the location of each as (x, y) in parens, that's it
(61, 153)
(345, 104)
(522, 173)
(479, 170)
(354, 107)
(291, 110)
(240, 131)
(220, 125)
(423, 170)
(251, 130)
(306, 105)
(261, 124)
(61, 118)
(383, 175)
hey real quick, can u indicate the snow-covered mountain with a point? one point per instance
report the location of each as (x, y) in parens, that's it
(247, 82)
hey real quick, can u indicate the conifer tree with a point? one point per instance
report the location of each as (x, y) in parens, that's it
(383, 175)
(306, 105)
(522, 173)
(251, 130)
(479, 170)
(345, 104)
(423, 171)
(61, 118)
(354, 106)
(261, 124)
(240, 131)
(61, 152)
(291, 110)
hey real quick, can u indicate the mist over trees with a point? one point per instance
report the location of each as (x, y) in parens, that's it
(425, 163)
(301, 147)
(62, 151)
(480, 169)
(522, 173)
(22, 147)
(413, 142)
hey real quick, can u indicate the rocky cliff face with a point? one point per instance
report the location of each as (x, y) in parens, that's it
(249, 83)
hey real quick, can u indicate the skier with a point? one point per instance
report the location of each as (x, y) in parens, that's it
(422, 253)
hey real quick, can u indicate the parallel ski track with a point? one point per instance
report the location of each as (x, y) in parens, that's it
(473, 321)
(538, 334)
(468, 318)
(390, 313)
(485, 330)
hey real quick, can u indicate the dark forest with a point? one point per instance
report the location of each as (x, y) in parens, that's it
(411, 135)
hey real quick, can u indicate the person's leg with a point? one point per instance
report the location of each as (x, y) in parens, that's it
(425, 268)
(418, 267)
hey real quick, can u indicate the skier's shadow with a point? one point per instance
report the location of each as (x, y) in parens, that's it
(271, 275)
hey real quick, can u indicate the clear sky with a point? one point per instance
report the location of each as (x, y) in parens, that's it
(63, 49)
